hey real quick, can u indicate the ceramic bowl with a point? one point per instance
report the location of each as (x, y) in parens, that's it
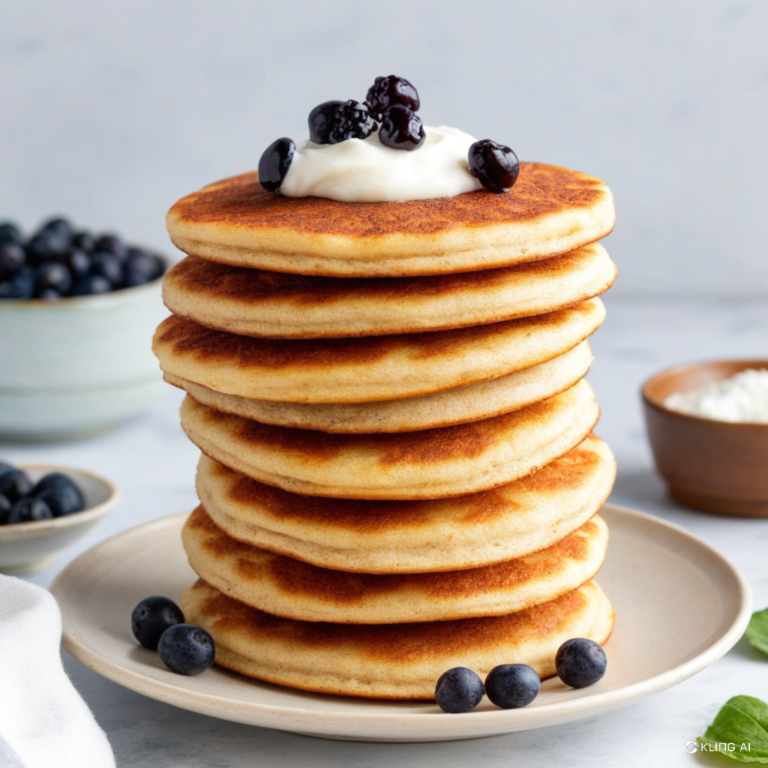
(715, 466)
(29, 547)
(77, 365)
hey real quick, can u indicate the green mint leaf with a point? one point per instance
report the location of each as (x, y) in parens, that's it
(739, 731)
(757, 631)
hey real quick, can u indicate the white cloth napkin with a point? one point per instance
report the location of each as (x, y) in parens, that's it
(44, 723)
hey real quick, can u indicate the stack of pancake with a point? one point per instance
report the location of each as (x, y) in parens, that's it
(398, 471)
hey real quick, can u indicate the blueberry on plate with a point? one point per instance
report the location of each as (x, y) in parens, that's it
(458, 690)
(78, 262)
(5, 468)
(510, 686)
(153, 616)
(580, 662)
(60, 493)
(351, 120)
(51, 275)
(388, 91)
(186, 650)
(109, 266)
(275, 162)
(29, 510)
(12, 258)
(401, 128)
(5, 509)
(321, 121)
(10, 233)
(494, 165)
(15, 484)
(91, 285)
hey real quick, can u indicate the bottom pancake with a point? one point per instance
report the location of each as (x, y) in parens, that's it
(286, 587)
(393, 661)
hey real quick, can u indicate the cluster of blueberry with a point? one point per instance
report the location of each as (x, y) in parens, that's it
(158, 624)
(389, 107)
(579, 663)
(22, 501)
(57, 261)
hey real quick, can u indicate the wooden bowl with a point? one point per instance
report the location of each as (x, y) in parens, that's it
(715, 466)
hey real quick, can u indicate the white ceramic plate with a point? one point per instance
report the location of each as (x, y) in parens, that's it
(679, 607)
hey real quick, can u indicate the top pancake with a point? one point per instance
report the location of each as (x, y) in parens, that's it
(550, 211)
(258, 303)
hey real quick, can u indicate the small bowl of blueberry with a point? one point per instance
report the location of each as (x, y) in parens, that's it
(79, 310)
(44, 509)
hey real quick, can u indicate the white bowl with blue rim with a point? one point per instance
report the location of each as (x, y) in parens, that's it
(75, 366)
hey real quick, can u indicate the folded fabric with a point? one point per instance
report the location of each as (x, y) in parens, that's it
(43, 720)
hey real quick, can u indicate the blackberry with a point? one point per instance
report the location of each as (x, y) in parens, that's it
(388, 91)
(351, 120)
(401, 128)
(275, 162)
(494, 165)
(321, 121)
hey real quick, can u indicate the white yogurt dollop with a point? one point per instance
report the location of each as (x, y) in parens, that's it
(365, 171)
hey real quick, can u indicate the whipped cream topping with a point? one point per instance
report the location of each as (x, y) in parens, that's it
(366, 171)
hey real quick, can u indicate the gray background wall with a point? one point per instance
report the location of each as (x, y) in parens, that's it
(111, 111)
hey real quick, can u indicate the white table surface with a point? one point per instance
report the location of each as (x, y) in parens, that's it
(153, 463)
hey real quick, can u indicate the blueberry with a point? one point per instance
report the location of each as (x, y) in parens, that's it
(47, 246)
(53, 276)
(10, 233)
(29, 510)
(401, 128)
(510, 686)
(141, 267)
(48, 294)
(151, 617)
(61, 494)
(57, 224)
(321, 121)
(78, 262)
(15, 484)
(108, 265)
(112, 244)
(351, 120)
(5, 510)
(22, 284)
(495, 165)
(84, 241)
(186, 650)
(388, 91)
(91, 285)
(5, 468)
(275, 162)
(458, 690)
(580, 662)
(12, 258)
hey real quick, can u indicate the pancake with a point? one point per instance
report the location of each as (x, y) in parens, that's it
(257, 303)
(460, 405)
(391, 661)
(470, 531)
(285, 587)
(367, 369)
(429, 464)
(550, 211)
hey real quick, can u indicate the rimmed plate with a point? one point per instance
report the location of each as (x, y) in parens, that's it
(679, 606)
